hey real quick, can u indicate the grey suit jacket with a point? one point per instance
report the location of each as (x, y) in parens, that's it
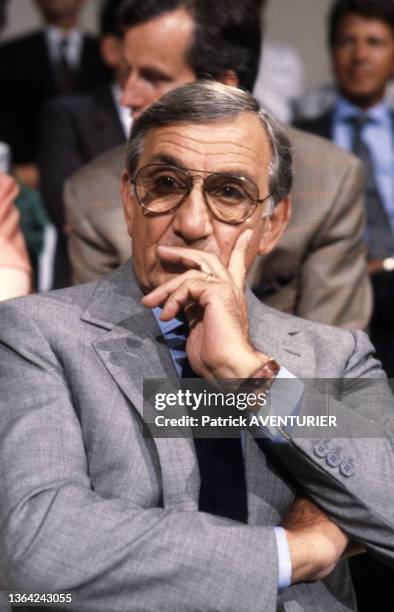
(90, 503)
(317, 271)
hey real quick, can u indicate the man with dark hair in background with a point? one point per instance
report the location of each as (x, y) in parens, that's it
(76, 129)
(318, 269)
(59, 59)
(361, 41)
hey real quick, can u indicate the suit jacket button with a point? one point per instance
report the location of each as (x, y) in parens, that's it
(333, 459)
(320, 449)
(347, 468)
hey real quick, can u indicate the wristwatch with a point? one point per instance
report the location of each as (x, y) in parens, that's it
(263, 378)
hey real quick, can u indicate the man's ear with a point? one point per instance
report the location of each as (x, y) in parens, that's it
(128, 199)
(274, 226)
(111, 51)
(229, 77)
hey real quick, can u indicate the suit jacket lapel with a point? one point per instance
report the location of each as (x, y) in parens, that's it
(106, 117)
(280, 336)
(42, 59)
(132, 352)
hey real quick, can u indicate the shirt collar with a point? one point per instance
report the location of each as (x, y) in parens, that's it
(54, 35)
(344, 110)
(123, 112)
(166, 327)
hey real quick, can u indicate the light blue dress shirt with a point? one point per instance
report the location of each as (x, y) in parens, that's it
(178, 356)
(378, 135)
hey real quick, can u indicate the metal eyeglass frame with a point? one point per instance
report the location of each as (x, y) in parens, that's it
(190, 177)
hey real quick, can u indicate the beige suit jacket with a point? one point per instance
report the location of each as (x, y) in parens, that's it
(318, 269)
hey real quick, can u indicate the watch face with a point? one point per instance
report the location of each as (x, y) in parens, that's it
(388, 264)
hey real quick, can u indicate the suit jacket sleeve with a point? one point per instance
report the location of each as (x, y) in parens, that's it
(334, 285)
(59, 534)
(357, 492)
(91, 254)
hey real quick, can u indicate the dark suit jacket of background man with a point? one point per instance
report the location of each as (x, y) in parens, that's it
(75, 130)
(27, 81)
(317, 270)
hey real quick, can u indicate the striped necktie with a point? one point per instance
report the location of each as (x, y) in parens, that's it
(64, 72)
(379, 233)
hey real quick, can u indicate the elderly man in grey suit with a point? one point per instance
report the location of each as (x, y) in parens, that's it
(318, 270)
(92, 503)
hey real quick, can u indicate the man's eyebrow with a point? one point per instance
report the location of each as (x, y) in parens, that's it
(155, 74)
(164, 158)
(172, 161)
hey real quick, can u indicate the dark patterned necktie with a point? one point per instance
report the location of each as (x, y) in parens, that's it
(379, 233)
(64, 72)
(222, 473)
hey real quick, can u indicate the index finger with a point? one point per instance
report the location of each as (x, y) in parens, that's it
(237, 262)
(193, 259)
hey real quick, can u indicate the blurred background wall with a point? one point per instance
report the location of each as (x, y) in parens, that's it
(22, 17)
(300, 23)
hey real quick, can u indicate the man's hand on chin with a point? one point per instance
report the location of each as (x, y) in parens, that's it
(213, 298)
(316, 544)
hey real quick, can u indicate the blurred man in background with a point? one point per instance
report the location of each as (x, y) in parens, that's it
(75, 129)
(59, 59)
(361, 38)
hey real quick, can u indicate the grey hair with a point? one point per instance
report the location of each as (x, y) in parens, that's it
(208, 101)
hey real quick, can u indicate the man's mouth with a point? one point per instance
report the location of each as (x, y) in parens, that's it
(360, 73)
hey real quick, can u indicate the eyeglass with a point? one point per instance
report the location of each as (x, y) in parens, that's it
(160, 188)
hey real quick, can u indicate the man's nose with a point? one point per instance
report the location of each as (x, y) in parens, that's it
(360, 51)
(193, 219)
